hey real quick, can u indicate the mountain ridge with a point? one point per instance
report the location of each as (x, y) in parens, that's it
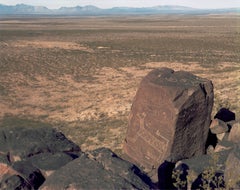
(24, 9)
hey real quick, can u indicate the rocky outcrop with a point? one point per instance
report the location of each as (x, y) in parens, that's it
(169, 119)
(42, 158)
(28, 155)
(220, 167)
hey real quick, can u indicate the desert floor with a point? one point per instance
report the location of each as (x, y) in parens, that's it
(80, 74)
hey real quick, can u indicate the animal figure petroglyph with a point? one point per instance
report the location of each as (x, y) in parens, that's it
(158, 144)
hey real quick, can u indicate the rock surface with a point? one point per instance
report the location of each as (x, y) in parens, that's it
(27, 154)
(232, 171)
(218, 126)
(234, 135)
(31, 156)
(170, 117)
(101, 169)
(14, 142)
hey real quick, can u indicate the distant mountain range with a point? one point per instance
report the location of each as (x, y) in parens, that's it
(22, 9)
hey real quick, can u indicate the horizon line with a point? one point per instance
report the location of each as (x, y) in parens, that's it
(121, 6)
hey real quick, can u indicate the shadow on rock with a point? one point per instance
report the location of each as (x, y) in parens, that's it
(211, 140)
(225, 115)
(165, 175)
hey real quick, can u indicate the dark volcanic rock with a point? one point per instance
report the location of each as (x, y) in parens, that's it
(14, 182)
(23, 142)
(20, 175)
(29, 173)
(170, 116)
(48, 162)
(101, 169)
(28, 154)
(118, 166)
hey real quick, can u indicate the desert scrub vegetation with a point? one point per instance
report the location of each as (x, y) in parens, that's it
(59, 84)
(210, 178)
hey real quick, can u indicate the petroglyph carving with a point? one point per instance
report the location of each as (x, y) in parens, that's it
(159, 144)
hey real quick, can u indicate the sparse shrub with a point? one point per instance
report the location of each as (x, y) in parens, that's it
(179, 183)
(210, 178)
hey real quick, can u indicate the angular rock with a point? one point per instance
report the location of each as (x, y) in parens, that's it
(99, 170)
(170, 116)
(221, 136)
(199, 163)
(118, 166)
(14, 142)
(14, 182)
(21, 175)
(29, 154)
(214, 163)
(29, 173)
(234, 135)
(218, 126)
(48, 162)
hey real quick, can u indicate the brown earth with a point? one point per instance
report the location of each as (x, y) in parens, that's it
(82, 77)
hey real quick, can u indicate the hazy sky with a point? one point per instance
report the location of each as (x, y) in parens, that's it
(132, 3)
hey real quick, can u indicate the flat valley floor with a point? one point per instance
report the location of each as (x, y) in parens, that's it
(80, 74)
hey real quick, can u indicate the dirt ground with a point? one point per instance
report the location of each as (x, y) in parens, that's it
(83, 80)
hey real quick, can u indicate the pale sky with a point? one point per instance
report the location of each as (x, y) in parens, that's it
(127, 3)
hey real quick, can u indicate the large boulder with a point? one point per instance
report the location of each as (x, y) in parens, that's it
(31, 155)
(169, 119)
(232, 170)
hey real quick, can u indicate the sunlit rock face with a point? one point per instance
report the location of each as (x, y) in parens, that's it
(169, 118)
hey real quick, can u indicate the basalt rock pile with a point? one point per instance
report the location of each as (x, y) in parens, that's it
(42, 158)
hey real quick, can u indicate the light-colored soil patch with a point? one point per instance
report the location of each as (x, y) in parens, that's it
(51, 44)
(110, 94)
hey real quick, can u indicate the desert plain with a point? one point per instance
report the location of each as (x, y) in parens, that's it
(80, 74)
